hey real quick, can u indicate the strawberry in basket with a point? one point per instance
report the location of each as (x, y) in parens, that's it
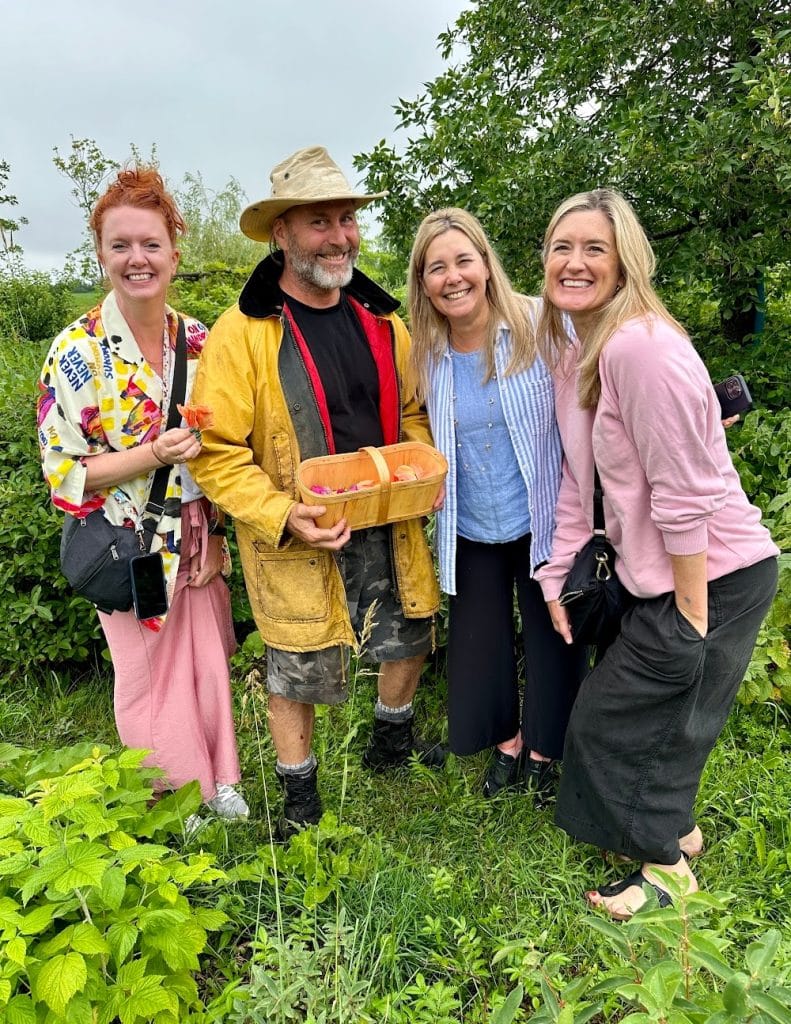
(361, 485)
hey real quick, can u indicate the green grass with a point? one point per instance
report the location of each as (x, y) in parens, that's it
(427, 877)
(81, 302)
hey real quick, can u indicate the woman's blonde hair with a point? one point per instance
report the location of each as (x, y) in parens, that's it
(634, 297)
(430, 329)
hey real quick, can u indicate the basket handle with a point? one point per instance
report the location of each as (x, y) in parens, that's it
(383, 472)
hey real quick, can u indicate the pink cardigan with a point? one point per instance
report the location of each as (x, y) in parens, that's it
(670, 487)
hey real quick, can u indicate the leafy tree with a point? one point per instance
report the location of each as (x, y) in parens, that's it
(139, 158)
(683, 105)
(213, 236)
(7, 225)
(87, 168)
(380, 262)
(216, 258)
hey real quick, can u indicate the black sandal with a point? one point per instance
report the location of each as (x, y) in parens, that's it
(636, 878)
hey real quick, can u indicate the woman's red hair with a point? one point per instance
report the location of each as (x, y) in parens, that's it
(143, 188)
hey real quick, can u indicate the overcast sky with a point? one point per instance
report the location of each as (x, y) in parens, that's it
(222, 88)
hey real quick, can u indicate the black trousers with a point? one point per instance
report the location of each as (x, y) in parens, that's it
(649, 713)
(483, 687)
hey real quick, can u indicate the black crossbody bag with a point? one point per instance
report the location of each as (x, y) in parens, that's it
(593, 596)
(95, 554)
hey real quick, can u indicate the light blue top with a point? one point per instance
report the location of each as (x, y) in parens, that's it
(486, 464)
(527, 400)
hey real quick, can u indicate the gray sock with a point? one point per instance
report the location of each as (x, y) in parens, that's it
(302, 769)
(386, 714)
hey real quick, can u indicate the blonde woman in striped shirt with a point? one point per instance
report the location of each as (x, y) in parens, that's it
(490, 400)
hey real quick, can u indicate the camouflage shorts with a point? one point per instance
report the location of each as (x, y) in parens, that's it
(320, 677)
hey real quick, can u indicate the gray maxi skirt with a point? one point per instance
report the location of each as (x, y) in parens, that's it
(648, 715)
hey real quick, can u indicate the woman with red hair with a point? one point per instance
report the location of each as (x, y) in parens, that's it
(105, 394)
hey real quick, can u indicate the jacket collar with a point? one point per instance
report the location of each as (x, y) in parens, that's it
(261, 295)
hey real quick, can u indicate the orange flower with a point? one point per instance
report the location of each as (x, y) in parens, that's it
(199, 416)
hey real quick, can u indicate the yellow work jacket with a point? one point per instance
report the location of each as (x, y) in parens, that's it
(266, 421)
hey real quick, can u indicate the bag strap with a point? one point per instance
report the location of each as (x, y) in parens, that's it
(155, 506)
(598, 505)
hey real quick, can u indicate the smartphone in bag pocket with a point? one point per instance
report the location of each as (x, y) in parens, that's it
(149, 589)
(734, 395)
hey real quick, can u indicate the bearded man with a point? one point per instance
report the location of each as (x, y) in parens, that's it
(312, 361)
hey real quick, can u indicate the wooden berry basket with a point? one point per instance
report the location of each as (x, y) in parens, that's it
(387, 501)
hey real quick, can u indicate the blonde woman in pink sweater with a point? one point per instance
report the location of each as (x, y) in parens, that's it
(632, 393)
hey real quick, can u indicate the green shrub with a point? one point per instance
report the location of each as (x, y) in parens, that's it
(32, 306)
(769, 672)
(677, 965)
(761, 450)
(42, 623)
(94, 921)
(763, 364)
(211, 293)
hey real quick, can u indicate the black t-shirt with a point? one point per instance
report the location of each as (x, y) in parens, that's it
(347, 370)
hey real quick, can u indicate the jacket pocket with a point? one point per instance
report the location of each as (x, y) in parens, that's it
(292, 586)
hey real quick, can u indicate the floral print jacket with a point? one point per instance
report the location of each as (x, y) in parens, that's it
(97, 393)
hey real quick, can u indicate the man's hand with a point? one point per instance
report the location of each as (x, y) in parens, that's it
(439, 501)
(560, 620)
(301, 524)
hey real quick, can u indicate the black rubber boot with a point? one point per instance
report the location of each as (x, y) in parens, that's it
(301, 804)
(393, 744)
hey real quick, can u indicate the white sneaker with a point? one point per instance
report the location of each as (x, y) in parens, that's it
(228, 803)
(193, 825)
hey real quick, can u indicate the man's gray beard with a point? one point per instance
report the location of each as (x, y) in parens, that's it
(313, 274)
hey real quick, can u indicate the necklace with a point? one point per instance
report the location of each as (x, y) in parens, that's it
(159, 363)
(479, 450)
(166, 362)
(465, 346)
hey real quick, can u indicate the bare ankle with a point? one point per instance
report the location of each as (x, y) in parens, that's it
(512, 747)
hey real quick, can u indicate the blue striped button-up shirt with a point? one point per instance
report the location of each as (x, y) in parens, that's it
(529, 409)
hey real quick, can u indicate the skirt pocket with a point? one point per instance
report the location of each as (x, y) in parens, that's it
(659, 636)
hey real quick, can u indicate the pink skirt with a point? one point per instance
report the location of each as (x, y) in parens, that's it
(172, 687)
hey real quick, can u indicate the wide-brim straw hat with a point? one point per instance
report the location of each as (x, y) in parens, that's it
(307, 176)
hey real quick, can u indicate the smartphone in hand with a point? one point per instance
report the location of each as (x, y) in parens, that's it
(734, 395)
(149, 590)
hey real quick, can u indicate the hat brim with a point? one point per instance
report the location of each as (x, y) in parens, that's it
(257, 219)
